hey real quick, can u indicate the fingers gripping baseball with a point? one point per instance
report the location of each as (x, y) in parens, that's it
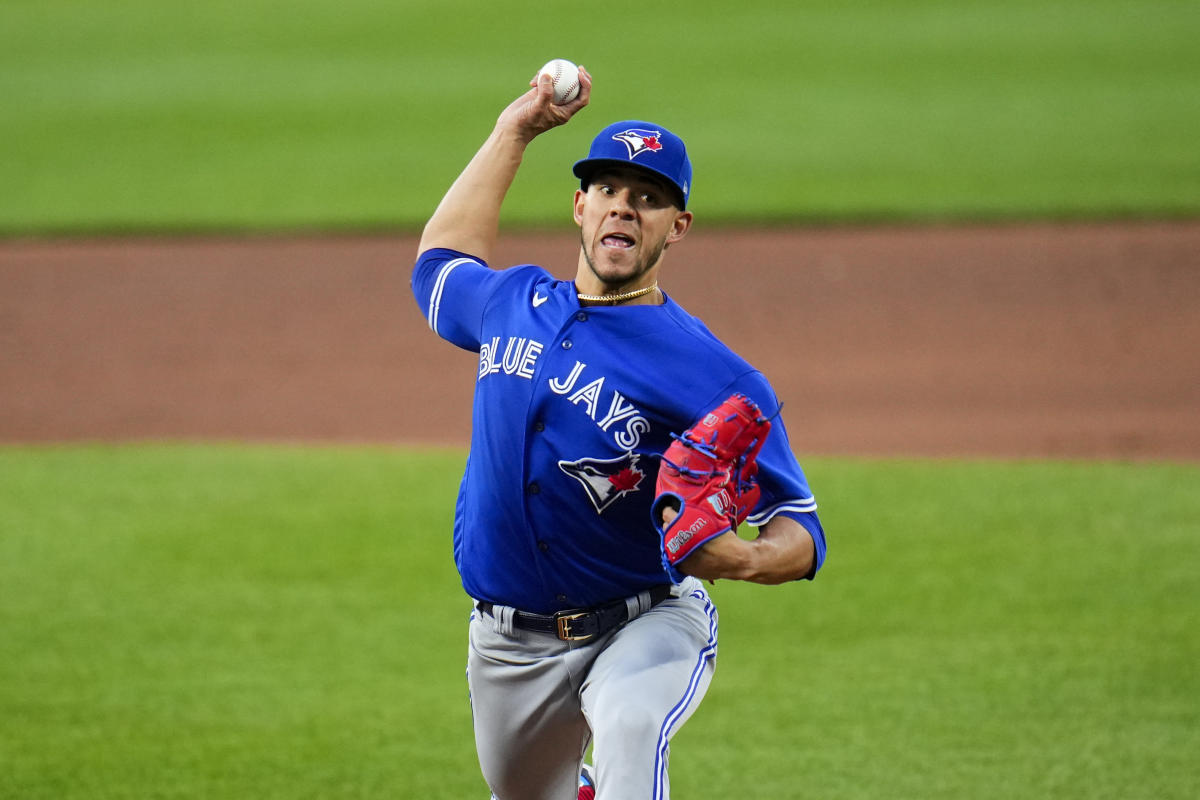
(535, 112)
(707, 483)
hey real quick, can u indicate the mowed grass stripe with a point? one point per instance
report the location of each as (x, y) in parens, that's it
(226, 620)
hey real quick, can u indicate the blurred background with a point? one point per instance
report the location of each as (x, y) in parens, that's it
(961, 238)
(135, 116)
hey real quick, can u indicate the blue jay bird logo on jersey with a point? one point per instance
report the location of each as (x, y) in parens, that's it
(606, 480)
(639, 141)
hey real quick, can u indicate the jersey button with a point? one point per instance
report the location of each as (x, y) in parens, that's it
(562, 598)
(539, 426)
(543, 547)
(581, 316)
(566, 345)
(534, 488)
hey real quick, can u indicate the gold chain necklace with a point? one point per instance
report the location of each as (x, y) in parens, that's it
(613, 299)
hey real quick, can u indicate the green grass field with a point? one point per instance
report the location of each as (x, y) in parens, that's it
(271, 622)
(139, 116)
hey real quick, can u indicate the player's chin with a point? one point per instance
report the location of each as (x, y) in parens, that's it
(616, 265)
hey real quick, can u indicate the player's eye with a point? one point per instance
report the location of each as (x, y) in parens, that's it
(652, 199)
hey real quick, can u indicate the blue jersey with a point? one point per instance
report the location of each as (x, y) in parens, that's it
(573, 407)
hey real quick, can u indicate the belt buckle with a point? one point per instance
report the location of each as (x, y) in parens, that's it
(563, 622)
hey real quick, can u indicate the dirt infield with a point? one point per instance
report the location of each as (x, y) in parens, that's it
(1013, 341)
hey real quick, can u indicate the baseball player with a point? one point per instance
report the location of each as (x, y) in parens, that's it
(596, 401)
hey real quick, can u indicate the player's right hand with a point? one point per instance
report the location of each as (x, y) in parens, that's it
(535, 112)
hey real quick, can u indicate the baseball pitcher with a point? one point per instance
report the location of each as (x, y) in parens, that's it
(616, 447)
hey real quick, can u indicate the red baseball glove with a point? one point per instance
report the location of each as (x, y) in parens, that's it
(708, 475)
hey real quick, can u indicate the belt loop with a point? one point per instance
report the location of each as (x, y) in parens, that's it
(638, 604)
(502, 619)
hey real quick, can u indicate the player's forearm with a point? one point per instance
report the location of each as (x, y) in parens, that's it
(468, 218)
(782, 552)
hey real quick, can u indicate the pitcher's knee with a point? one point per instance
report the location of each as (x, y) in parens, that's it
(632, 722)
(506, 783)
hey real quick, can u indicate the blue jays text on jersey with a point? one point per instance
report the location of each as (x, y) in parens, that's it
(573, 406)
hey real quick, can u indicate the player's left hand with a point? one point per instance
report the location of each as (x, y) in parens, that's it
(707, 483)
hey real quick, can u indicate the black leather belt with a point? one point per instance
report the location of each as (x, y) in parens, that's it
(579, 625)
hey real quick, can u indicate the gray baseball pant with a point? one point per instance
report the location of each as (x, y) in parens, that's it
(538, 702)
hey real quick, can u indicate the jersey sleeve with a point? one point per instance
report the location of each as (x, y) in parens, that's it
(452, 290)
(785, 489)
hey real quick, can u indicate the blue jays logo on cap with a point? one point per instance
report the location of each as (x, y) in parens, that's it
(644, 145)
(639, 141)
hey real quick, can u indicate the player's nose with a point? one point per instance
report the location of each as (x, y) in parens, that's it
(622, 204)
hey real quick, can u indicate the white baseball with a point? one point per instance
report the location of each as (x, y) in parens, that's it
(566, 79)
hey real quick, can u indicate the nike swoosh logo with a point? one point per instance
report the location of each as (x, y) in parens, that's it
(539, 299)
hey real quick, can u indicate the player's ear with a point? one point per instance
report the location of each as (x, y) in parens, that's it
(682, 224)
(580, 198)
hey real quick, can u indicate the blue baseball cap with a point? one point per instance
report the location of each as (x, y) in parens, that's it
(643, 145)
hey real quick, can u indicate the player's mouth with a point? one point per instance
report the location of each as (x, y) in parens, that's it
(619, 241)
